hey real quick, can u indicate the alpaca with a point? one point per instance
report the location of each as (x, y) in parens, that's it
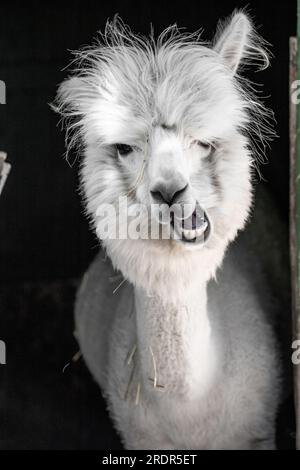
(182, 348)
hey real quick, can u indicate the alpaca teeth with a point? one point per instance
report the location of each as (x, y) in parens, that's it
(189, 234)
(202, 229)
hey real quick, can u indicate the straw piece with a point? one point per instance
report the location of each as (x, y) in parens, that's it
(121, 283)
(138, 392)
(154, 368)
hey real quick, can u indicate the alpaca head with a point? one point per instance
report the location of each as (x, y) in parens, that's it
(168, 121)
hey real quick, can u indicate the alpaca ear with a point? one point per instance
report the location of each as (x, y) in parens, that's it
(238, 44)
(73, 97)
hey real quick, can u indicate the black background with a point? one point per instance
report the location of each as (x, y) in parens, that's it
(45, 242)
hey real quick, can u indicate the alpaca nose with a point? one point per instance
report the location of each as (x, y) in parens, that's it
(167, 193)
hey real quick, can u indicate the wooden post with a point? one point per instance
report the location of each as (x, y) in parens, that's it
(295, 206)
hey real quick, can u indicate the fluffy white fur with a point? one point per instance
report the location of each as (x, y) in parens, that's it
(184, 364)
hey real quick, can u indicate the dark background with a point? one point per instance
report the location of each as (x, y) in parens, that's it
(45, 243)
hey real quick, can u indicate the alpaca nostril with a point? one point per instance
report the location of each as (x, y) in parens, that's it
(157, 196)
(167, 194)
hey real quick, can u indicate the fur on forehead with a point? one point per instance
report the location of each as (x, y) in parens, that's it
(126, 84)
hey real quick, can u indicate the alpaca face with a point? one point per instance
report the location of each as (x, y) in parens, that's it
(167, 123)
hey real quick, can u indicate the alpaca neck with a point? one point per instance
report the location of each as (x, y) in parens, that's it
(174, 342)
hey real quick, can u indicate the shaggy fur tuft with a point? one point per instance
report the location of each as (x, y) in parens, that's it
(143, 65)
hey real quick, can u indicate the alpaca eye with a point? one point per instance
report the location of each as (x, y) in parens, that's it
(124, 149)
(205, 146)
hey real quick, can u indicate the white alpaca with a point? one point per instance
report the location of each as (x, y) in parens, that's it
(185, 361)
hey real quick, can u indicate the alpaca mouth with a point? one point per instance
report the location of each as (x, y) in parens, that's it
(195, 228)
